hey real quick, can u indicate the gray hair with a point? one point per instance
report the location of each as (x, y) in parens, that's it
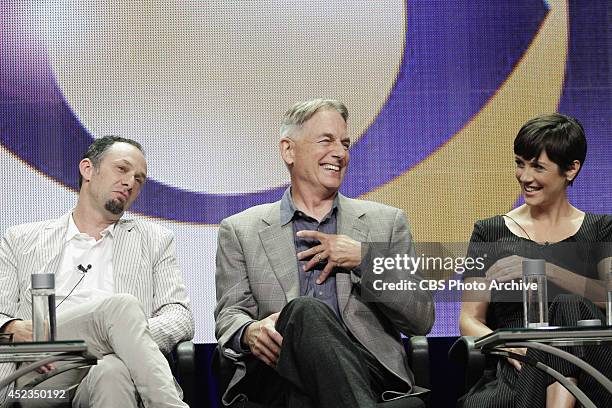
(302, 111)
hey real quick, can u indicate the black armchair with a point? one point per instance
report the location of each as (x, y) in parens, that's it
(463, 353)
(183, 365)
(417, 349)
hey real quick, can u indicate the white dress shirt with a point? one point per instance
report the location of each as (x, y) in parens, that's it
(82, 249)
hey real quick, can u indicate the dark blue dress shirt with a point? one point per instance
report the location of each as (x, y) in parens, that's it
(326, 291)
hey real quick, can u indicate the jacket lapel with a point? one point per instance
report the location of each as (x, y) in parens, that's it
(51, 244)
(350, 224)
(277, 241)
(43, 256)
(126, 257)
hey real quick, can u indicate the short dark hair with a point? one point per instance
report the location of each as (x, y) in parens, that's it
(100, 146)
(560, 136)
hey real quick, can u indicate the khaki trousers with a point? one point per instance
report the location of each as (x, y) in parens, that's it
(132, 371)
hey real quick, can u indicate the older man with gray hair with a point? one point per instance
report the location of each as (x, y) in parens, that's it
(293, 320)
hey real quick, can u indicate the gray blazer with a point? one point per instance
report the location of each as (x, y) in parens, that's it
(257, 274)
(144, 265)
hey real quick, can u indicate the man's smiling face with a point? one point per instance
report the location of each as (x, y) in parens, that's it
(319, 152)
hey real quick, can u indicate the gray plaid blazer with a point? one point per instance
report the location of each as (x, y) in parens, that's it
(257, 274)
(144, 265)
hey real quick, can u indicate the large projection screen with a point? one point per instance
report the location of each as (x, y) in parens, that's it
(436, 91)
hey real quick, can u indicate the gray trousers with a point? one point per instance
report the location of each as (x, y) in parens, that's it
(132, 370)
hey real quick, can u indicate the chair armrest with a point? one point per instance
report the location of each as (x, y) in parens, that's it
(184, 368)
(185, 358)
(463, 353)
(418, 358)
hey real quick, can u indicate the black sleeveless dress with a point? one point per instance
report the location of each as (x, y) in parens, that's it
(502, 386)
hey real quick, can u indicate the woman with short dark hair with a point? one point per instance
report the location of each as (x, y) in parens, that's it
(549, 152)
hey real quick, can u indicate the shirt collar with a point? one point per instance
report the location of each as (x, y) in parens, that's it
(73, 230)
(288, 208)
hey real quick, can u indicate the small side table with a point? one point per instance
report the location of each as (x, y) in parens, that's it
(42, 353)
(547, 339)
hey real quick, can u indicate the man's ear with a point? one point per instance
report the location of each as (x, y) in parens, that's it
(287, 150)
(86, 168)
